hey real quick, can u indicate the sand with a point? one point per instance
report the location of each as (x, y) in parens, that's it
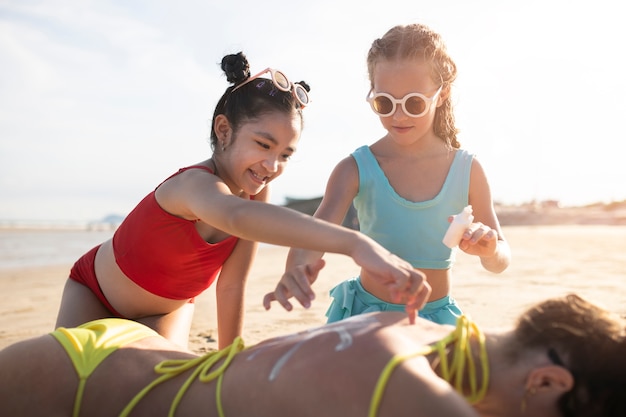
(547, 261)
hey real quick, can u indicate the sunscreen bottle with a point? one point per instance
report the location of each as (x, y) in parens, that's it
(459, 225)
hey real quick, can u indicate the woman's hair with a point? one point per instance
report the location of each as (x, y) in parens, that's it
(419, 42)
(588, 341)
(253, 99)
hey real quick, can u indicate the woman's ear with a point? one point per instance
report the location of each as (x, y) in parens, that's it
(223, 130)
(550, 378)
(544, 387)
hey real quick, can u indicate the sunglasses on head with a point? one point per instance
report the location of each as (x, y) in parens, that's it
(281, 82)
(413, 104)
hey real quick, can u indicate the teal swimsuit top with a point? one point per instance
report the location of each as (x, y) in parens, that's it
(411, 230)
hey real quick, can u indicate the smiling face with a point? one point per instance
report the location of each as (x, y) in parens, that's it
(258, 151)
(399, 78)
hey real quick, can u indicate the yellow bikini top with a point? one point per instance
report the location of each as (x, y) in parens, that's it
(203, 364)
(452, 373)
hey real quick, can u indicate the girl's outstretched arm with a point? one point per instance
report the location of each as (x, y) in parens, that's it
(206, 197)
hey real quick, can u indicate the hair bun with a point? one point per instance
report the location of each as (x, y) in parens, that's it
(236, 68)
(304, 85)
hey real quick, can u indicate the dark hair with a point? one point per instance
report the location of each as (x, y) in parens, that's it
(253, 99)
(591, 344)
(419, 42)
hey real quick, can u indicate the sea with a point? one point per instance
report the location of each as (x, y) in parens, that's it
(29, 246)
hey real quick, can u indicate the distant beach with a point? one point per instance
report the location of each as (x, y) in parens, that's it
(552, 213)
(49, 246)
(547, 261)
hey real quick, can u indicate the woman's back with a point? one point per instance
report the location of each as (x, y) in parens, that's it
(331, 371)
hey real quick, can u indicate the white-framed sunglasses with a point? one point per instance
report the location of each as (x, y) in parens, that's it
(413, 104)
(281, 82)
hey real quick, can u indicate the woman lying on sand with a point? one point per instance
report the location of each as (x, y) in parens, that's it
(565, 357)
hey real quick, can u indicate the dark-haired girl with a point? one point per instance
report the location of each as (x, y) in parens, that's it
(202, 224)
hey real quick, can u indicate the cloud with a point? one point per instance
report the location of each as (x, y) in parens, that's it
(101, 100)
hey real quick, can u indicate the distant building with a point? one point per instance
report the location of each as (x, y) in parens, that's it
(308, 206)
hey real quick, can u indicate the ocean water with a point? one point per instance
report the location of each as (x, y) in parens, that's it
(40, 247)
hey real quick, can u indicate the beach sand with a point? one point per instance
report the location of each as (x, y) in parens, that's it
(547, 261)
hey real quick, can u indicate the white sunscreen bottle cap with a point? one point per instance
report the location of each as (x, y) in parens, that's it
(459, 225)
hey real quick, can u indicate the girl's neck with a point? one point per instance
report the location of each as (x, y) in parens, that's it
(213, 165)
(219, 171)
(427, 146)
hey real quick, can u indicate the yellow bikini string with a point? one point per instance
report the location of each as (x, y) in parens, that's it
(203, 364)
(79, 395)
(462, 353)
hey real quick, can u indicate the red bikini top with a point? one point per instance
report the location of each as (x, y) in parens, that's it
(164, 254)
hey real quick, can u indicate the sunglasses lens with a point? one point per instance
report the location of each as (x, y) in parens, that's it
(301, 94)
(382, 105)
(415, 106)
(281, 81)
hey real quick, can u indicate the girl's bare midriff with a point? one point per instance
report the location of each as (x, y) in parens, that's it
(439, 280)
(128, 298)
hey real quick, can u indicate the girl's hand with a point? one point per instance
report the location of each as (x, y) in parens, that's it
(406, 284)
(480, 240)
(414, 295)
(295, 283)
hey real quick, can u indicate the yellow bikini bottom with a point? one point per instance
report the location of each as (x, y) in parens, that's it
(91, 343)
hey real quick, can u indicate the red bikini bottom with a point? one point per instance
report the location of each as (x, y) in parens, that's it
(84, 273)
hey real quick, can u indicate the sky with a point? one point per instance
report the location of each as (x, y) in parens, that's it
(100, 100)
